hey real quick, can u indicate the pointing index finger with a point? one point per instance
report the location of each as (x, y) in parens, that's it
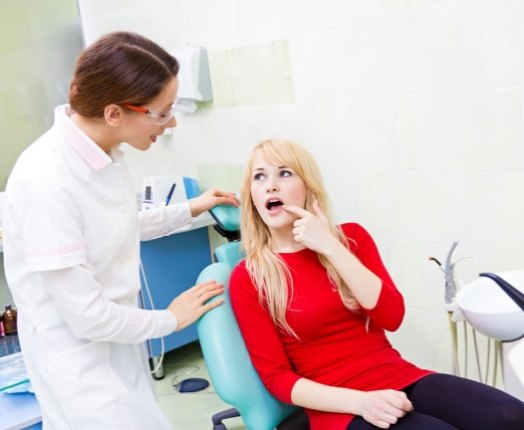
(296, 210)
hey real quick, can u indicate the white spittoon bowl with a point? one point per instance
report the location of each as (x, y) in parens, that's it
(488, 309)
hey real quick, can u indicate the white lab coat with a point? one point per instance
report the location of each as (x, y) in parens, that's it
(71, 249)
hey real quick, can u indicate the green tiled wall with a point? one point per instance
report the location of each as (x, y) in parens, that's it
(40, 42)
(252, 75)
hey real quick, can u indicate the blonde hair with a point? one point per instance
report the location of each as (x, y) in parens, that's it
(267, 270)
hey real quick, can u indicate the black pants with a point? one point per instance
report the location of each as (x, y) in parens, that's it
(298, 420)
(447, 402)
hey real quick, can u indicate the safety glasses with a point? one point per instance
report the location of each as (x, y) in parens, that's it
(158, 118)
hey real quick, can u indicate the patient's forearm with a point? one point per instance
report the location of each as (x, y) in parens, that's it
(363, 283)
(313, 395)
(380, 408)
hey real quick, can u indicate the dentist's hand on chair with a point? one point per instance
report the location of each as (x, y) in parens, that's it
(211, 198)
(194, 302)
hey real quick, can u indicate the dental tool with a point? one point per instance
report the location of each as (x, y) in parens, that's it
(455, 317)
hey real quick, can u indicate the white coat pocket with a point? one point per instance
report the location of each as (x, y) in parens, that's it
(86, 385)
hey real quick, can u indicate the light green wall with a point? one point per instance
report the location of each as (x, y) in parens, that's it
(40, 42)
(258, 74)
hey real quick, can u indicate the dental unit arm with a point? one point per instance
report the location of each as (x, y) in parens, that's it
(449, 276)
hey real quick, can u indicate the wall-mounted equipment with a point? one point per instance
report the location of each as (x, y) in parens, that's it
(194, 78)
(164, 190)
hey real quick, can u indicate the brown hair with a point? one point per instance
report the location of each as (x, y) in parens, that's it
(119, 67)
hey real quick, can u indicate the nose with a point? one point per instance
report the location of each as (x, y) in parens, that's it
(271, 188)
(171, 123)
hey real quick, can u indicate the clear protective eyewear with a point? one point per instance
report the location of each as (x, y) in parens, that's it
(158, 118)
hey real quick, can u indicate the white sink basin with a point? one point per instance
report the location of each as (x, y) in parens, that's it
(490, 310)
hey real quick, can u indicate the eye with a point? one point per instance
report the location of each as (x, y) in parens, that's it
(258, 176)
(285, 173)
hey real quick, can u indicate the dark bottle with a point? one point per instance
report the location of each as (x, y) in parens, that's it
(9, 320)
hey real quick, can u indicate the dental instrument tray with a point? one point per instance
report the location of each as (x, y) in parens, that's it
(13, 374)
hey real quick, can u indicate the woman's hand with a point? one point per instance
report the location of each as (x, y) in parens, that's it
(312, 229)
(209, 199)
(381, 408)
(384, 408)
(193, 303)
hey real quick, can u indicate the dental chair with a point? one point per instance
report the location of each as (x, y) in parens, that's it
(233, 376)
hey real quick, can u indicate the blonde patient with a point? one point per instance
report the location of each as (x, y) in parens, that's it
(314, 301)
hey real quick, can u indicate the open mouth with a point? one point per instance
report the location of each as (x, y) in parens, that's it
(273, 204)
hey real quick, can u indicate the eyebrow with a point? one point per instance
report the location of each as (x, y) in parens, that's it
(263, 168)
(166, 107)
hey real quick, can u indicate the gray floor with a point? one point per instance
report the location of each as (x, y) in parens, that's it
(189, 411)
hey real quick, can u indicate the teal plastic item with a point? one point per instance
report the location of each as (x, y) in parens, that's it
(229, 253)
(233, 376)
(191, 186)
(227, 216)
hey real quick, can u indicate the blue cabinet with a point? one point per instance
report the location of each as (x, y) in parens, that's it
(171, 265)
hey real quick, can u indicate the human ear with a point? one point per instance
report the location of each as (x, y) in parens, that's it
(113, 115)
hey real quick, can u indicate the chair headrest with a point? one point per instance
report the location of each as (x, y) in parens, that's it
(227, 219)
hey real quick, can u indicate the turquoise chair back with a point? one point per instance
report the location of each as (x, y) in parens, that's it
(233, 376)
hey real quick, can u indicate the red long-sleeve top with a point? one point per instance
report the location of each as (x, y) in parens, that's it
(336, 346)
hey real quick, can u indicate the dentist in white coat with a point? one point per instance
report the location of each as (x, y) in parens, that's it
(71, 243)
